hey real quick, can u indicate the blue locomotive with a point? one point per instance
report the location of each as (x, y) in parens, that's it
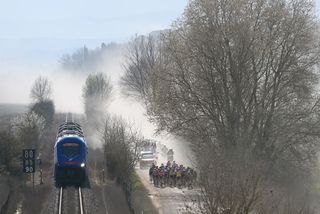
(70, 152)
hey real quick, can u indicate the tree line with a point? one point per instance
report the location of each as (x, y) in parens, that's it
(121, 142)
(238, 79)
(85, 59)
(25, 130)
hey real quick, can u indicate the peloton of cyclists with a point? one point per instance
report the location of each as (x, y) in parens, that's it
(172, 175)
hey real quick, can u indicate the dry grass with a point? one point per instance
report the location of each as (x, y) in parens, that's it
(141, 202)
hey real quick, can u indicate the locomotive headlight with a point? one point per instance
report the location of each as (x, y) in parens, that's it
(82, 164)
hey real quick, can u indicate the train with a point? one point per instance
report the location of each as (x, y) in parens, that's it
(70, 155)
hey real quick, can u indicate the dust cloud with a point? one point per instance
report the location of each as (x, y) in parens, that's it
(17, 81)
(135, 113)
(67, 93)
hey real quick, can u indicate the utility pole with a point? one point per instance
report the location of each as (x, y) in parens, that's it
(41, 178)
(33, 181)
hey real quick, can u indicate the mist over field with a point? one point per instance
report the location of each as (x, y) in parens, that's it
(19, 73)
(17, 83)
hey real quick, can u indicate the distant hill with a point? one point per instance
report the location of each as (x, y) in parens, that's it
(41, 50)
(89, 60)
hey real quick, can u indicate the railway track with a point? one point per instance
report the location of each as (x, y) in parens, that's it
(65, 206)
(70, 199)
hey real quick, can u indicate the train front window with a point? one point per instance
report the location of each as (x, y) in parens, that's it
(70, 150)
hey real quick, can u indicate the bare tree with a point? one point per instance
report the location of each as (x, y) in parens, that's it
(239, 77)
(96, 93)
(41, 90)
(45, 109)
(143, 56)
(28, 128)
(10, 149)
(121, 146)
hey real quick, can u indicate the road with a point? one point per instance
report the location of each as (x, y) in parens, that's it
(170, 200)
